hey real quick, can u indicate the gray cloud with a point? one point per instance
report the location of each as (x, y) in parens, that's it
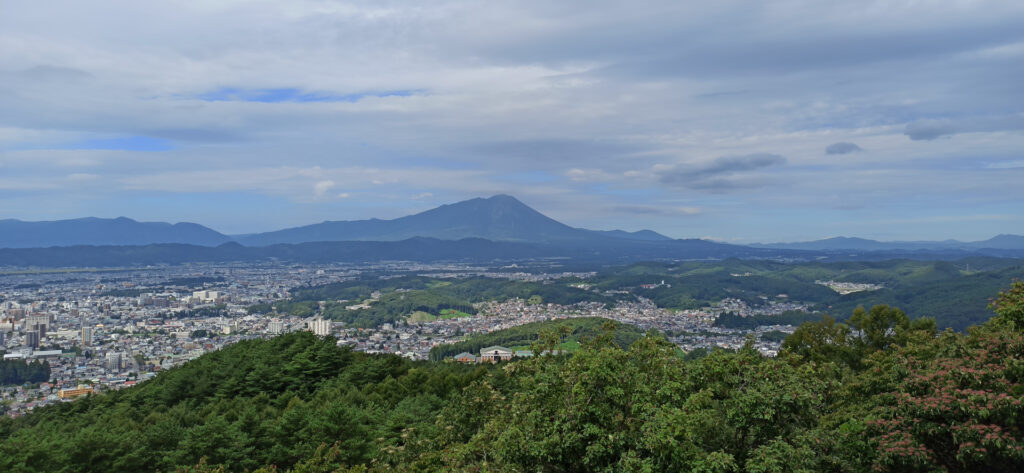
(554, 148)
(934, 128)
(711, 41)
(54, 73)
(931, 129)
(732, 164)
(544, 152)
(723, 174)
(666, 211)
(842, 148)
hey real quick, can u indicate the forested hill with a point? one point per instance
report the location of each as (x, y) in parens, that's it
(954, 293)
(881, 394)
(252, 404)
(941, 290)
(576, 330)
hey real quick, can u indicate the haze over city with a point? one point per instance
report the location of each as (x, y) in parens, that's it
(766, 122)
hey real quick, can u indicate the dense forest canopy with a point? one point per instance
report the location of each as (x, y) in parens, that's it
(880, 392)
(570, 330)
(19, 371)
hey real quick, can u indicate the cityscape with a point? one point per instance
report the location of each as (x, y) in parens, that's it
(104, 330)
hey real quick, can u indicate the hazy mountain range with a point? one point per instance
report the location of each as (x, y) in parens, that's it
(500, 218)
(495, 228)
(1000, 242)
(104, 231)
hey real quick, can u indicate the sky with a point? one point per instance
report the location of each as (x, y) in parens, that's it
(732, 120)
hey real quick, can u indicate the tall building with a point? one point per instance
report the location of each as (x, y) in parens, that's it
(32, 339)
(275, 326)
(40, 329)
(113, 361)
(86, 336)
(45, 320)
(320, 327)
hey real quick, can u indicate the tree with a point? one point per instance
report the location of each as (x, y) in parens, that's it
(879, 328)
(1009, 305)
(824, 341)
(959, 411)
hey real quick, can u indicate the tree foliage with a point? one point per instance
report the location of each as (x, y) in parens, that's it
(19, 371)
(1009, 305)
(578, 329)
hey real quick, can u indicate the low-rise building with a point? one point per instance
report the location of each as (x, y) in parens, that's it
(74, 392)
(495, 354)
(466, 357)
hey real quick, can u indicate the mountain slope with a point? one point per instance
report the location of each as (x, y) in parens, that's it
(1005, 242)
(103, 231)
(1001, 242)
(498, 218)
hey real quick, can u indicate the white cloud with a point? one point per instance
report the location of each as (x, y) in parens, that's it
(321, 187)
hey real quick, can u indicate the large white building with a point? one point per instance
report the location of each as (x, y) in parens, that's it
(275, 326)
(113, 360)
(320, 327)
(205, 296)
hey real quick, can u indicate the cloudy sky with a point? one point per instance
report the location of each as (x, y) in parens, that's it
(739, 121)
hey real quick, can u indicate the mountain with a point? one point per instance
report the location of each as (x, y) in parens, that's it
(1004, 242)
(835, 243)
(103, 231)
(498, 218)
(999, 242)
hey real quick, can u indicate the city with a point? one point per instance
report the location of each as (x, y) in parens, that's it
(99, 330)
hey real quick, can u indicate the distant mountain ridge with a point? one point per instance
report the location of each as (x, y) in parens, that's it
(104, 231)
(998, 242)
(498, 218)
